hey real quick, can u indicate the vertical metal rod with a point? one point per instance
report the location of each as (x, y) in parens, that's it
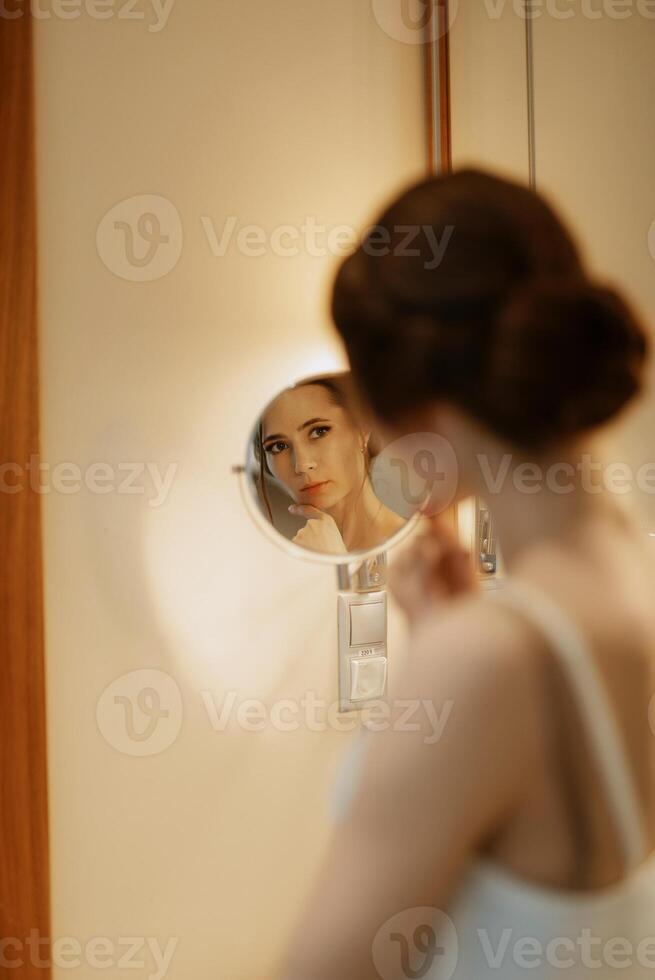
(529, 68)
(436, 75)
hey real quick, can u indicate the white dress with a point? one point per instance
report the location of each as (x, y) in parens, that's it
(502, 926)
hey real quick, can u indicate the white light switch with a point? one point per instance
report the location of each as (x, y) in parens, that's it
(362, 629)
(367, 623)
(367, 677)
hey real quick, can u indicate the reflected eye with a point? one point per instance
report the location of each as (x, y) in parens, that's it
(320, 428)
(274, 447)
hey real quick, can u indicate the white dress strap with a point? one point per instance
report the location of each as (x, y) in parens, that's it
(596, 709)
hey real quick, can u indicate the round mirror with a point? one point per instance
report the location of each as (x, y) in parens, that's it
(318, 475)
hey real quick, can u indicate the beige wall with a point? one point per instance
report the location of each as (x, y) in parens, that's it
(269, 113)
(595, 148)
(488, 89)
(595, 154)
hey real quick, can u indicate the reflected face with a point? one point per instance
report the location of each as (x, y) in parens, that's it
(312, 446)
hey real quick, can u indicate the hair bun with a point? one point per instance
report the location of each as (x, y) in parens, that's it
(568, 354)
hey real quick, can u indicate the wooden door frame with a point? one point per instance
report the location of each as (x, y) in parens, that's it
(24, 853)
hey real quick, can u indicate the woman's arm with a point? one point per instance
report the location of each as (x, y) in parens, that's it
(424, 802)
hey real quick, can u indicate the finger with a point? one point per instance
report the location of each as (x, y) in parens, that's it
(460, 574)
(446, 536)
(442, 528)
(441, 563)
(465, 577)
(432, 548)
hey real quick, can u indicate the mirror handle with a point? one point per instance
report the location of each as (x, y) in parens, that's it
(369, 575)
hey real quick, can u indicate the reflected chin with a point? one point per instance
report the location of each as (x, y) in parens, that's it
(330, 498)
(323, 497)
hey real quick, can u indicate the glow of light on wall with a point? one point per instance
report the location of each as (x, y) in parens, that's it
(466, 521)
(218, 585)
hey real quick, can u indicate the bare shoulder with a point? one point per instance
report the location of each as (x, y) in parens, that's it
(488, 662)
(474, 746)
(472, 632)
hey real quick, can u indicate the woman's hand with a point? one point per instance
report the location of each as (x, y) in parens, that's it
(432, 568)
(320, 533)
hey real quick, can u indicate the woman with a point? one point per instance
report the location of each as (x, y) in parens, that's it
(309, 441)
(520, 842)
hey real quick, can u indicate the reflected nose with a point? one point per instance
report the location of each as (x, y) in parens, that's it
(304, 463)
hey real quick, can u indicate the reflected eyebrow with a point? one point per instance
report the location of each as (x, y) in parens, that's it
(280, 435)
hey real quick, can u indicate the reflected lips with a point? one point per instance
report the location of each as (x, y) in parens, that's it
(314, 487)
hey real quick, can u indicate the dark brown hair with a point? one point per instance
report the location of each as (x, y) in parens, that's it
(508, 325)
